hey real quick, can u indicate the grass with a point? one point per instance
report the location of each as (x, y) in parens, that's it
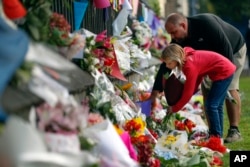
(244, 125)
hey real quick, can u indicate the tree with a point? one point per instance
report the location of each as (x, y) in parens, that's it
(155, 6)
(235, 10)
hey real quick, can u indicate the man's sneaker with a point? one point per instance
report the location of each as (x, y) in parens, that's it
(232, 136)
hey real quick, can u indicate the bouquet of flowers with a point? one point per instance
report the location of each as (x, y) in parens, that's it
(99, 53)
(143, 34)
(68, 44)
(59, 30)
(144, 143)
(61, 125)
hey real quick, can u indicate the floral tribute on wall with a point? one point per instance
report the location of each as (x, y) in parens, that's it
(99, 54)
(109, 119)
(67, 44)
(142, 34)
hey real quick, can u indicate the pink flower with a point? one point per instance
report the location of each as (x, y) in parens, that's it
(94, 118)
(100, 37)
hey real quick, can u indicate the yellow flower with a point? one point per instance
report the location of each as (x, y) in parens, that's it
(135, 126)
(170, 139)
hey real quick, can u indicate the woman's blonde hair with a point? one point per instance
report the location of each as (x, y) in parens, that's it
(174, 52)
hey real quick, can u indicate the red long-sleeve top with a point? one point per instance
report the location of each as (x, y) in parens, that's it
(200, 63)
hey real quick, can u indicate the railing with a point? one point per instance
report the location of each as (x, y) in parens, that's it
(95, 20)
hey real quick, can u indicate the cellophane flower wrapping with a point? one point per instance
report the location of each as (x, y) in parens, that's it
(123, 54)
(75, 47)
(176, 141)
(61, 124)
(127, 141)
(104, 93)
(143, 34)
(108, 141)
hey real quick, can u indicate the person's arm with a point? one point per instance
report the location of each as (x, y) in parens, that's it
(190, 86)
(158, 83)
(153, 97)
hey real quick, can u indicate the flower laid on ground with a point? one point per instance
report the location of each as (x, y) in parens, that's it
(145, 148)
(135, 126)
(158, 122)
(216, 162)
(202, 157)
(214, 143)
(143, 143)
(104, 109)
(168, 140)
(182, 123)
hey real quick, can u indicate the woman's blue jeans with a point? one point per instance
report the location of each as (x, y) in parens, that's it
(214, 105)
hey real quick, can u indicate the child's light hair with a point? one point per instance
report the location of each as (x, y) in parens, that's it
(174, 52)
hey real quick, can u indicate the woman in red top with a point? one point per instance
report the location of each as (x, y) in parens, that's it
(196, 64)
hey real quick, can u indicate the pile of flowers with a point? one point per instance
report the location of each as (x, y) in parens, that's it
(214, 143)
(184, 124)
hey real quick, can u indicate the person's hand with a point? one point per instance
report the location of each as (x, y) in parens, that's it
(169, 110)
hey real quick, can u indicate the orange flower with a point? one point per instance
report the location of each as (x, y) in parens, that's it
(127, 86)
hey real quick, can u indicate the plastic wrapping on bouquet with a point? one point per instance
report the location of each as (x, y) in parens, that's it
(145, 106)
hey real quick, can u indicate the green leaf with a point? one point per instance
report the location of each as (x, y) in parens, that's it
(194, 160)
(34, 32)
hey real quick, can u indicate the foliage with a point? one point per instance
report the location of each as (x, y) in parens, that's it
(86, 143)
(155, 5)
(236, 10)
(37, 19)
(22, 75)
(44, 26)
(105, 109)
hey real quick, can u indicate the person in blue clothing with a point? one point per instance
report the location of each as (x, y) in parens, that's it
(209, 32)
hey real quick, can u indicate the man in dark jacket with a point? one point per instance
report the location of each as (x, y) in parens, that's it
(209, 32)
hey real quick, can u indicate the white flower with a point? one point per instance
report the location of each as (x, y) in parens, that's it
(160, 114)
(91, 68)
(96, 61)
(87, 50)
(92, 42)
